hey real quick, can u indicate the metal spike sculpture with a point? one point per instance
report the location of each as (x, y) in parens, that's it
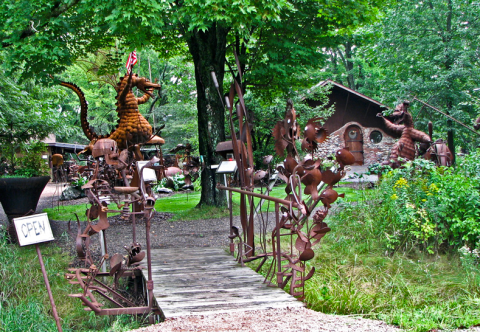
(405, 147)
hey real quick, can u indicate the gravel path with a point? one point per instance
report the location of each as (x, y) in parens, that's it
(292, 319)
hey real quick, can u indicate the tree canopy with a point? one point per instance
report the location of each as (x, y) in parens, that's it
(273, 38)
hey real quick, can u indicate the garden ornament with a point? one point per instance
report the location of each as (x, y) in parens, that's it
(293, 214)
(403, 128)
(286, 131)
(132, 127)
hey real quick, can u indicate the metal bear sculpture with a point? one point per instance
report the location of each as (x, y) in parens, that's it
(405, 147)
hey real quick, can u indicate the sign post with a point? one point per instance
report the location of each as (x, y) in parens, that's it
(36, 229)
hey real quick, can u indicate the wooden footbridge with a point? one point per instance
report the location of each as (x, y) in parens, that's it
(201, 281)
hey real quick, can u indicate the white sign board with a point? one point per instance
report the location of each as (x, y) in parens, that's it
(33, 229)
(148, 173)
(227, 167)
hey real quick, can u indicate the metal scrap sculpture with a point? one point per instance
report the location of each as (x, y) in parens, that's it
(403, 127)
(295, 216)
(132, 128)
(117, 160)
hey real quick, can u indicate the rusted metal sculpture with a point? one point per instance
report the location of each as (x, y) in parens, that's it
(295, 215)
(132, 128)
(405, 147)
(117, 160)
(190, 165)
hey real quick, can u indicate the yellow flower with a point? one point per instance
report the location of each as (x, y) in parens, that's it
(433, 188)
(424, 200)
(400, 183)
(394, 197)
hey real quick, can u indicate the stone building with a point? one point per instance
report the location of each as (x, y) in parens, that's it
(354, 124)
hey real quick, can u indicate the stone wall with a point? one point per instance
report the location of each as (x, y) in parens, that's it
(373, 152)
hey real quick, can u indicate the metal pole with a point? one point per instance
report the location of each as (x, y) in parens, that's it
(232, 245)
(102, 248)
(279, 252)
(448, 116)
(47, 284)
(226, 185)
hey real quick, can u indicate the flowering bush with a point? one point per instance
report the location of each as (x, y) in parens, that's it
(428, 206)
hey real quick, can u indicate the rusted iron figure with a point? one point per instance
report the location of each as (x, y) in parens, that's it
(403, 127)
(295, 218)
(118, 160)
(132, 128)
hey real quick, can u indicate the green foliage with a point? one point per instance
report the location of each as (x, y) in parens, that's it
(178, 181)
(28, 114)
(24, 302)
(360, 273)
(429, 206)
(32, 163)
(82, 180)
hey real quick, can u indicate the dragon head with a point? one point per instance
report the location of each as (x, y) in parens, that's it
(145, 85)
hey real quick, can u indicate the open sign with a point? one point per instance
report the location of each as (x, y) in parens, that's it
(33, 229)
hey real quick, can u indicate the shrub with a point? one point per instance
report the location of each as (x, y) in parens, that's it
(427, 206)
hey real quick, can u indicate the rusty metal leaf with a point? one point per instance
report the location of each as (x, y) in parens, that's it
(307, 255)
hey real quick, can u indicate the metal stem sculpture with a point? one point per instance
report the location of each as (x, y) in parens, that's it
(303, 177)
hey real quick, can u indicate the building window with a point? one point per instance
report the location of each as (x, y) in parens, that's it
(353, 134)
(376, 136)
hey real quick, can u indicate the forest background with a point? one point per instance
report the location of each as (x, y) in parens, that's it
(387, 50)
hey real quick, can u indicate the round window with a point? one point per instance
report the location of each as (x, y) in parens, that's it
(376, 136)
(352, 134)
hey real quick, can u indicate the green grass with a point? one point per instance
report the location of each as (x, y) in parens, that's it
(182, 205)
(24, 302)
(414, 290)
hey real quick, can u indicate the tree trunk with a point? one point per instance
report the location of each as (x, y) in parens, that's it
(208, 49)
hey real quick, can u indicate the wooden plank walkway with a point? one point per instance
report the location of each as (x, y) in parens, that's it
(201, 281)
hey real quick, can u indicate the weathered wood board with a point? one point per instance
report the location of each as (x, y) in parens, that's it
(202, 281)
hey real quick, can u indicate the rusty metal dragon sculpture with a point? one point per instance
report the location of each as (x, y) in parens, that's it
(112, 156)
(132, 127)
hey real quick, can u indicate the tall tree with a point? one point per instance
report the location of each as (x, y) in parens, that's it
(429, 49)
(51, 35)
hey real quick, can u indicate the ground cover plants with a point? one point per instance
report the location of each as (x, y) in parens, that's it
(24, 303)
(408, 253)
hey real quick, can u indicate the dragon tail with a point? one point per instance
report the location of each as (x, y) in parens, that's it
(91, 135)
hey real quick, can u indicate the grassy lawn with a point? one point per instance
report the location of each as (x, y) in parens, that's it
(183, 205)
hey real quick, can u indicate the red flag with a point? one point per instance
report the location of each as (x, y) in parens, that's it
(132, 60)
